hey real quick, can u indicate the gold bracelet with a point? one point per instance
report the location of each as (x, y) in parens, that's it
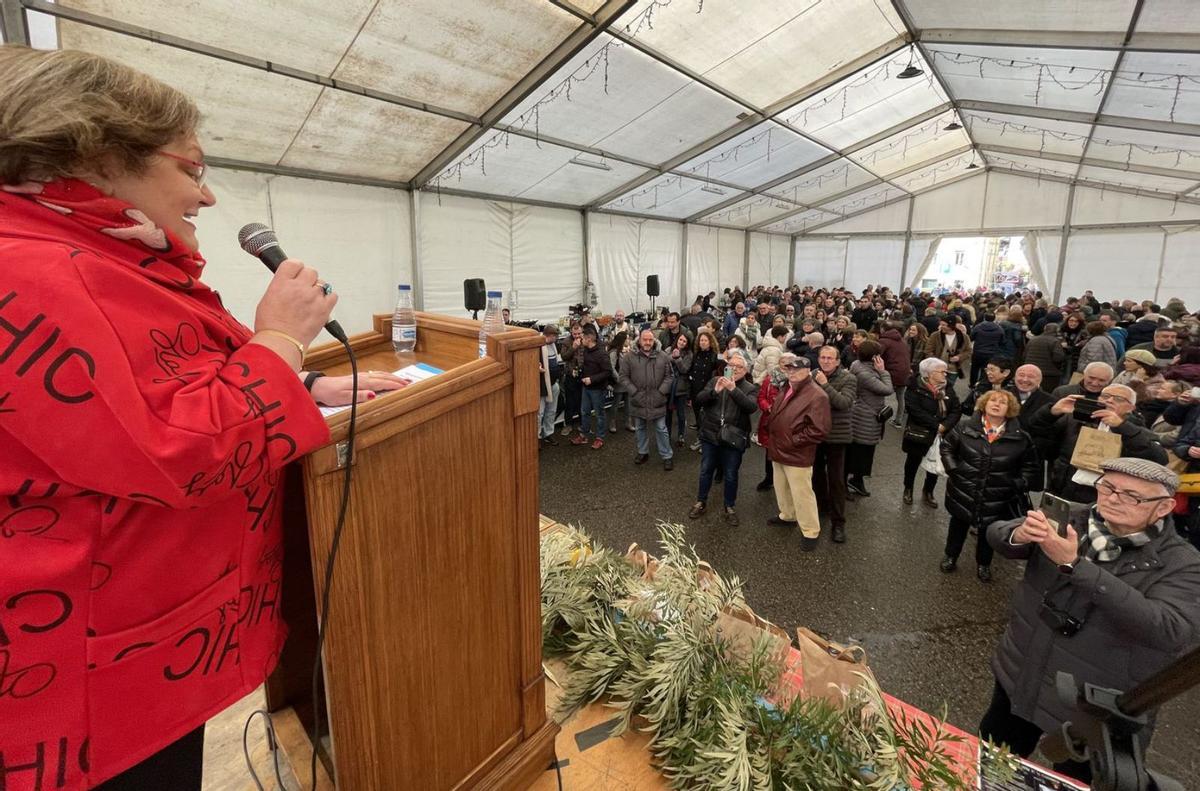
(286, 337)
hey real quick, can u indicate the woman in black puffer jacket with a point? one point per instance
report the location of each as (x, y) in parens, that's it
(932, 409)
(990, 461)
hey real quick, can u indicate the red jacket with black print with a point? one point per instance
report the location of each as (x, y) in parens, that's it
(142, 441)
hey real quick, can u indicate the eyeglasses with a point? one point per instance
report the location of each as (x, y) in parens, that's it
(1111, 397)
(1126, 497)
(201, 174)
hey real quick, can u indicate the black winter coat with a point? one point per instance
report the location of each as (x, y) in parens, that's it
(986, 339)
(736, 406)
(596, 367)
(703, 366)
(922, 410)
(986, 478)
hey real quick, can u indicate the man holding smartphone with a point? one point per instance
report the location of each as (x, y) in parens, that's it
(1061, 423)
(1110, 599)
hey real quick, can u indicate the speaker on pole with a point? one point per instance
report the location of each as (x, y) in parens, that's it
(474, 295)
(652, 285)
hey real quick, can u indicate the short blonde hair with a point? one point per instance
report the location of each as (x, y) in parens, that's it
(1014, 406)
(65, 111)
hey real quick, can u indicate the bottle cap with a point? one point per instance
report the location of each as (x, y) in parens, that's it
(405, 287)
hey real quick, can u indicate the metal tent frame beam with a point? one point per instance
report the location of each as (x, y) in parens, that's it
(13, 22)
(756, 115)
(914, 34)
(571, 46)
(811, 167)
(890, 202)
(868, 185)
(1147, 170)
(1118, 121)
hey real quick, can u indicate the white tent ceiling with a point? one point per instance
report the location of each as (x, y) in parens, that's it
(742, 114)
(802, 118)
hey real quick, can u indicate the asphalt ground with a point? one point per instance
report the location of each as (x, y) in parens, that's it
(928, 635)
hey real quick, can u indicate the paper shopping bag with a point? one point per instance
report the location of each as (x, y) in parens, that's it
(1093, 447)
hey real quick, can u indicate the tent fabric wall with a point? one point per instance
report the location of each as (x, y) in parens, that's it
(1097, 207)
(873, 260)
(892, 217)
(622, 251)
(1113, 263)
(1014, 202)
(821, 262)
(769, 259)
(957, 206)
(534, 250)
(921, 251)
(714, 259)
(1177, 277)
(356, 237)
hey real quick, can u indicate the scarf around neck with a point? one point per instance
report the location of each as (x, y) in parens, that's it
(115, 222)
(1101, 546)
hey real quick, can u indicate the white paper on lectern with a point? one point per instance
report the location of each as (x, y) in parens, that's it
(412, 373)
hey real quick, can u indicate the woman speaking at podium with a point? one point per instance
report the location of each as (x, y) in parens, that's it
(143, 434)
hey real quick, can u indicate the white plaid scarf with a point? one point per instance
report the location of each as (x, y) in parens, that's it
(1101, 546)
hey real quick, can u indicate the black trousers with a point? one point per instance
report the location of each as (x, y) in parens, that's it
(860, 458)
(769, 476)
(829, 481)
(957, 537)
(912, 465)
(177, 766)
(1020, 735)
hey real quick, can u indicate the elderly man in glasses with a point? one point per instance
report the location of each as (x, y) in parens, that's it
(1060, 425)
(1111, 597)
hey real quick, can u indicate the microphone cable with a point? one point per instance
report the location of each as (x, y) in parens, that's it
(322, 626)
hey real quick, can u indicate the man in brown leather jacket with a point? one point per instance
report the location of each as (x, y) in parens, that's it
(800, 420)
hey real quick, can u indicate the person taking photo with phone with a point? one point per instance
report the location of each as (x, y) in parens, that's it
(1113, 412)
(1110, 597)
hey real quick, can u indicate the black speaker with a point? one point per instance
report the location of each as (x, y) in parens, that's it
(652, 285)
(474, 294)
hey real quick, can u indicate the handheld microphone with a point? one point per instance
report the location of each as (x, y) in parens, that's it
(260, 241)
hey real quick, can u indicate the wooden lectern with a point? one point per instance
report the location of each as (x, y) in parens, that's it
(433, 658)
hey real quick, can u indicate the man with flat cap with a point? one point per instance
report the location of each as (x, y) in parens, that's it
(800, 420)
(1112, 597)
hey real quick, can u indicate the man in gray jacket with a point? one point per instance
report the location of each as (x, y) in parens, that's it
(1113, 597)
(829, 469)
(646, 375)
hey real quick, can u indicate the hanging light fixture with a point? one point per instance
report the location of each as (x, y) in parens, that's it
(911, 70)
(954, 124)
(974, 165)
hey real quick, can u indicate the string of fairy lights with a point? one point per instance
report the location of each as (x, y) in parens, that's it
(596, 63)
(904, 64)
(1005, 163)
(1067, 77)
(1043, 134)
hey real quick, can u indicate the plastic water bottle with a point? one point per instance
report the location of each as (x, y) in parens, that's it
(493, 321)
(404, 322)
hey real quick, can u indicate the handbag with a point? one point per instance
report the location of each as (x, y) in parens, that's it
(731, 436)
(885, 414)
(918, 435)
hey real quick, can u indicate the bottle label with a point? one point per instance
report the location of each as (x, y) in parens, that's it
(483, 348)
(404, 333)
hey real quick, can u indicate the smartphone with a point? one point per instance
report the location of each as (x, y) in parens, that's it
(1084, 407)
(729, 372)
(1057, 512)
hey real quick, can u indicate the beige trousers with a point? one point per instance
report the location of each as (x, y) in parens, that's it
(794, 494)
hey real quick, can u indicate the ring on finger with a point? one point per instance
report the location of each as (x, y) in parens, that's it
(325, 287)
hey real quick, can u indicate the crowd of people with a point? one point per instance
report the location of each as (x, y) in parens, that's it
(994, 393)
